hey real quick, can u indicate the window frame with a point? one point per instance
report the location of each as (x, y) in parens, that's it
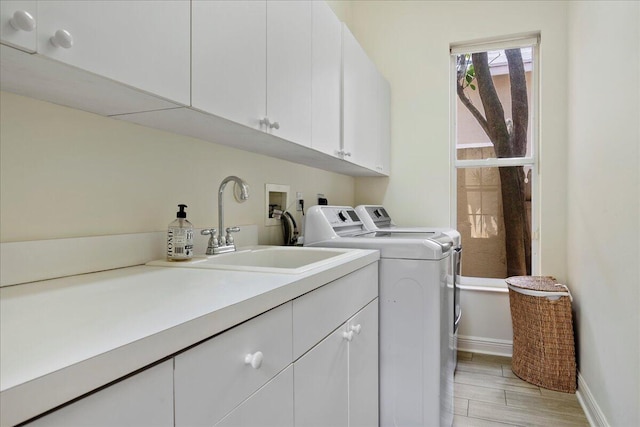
(523, 40)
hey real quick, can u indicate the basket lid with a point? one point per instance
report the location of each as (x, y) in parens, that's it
(536, 283)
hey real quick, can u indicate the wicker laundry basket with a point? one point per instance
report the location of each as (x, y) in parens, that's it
(543, 344)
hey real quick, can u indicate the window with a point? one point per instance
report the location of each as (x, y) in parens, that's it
(494, 153)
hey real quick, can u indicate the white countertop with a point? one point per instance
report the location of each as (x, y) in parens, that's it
(65, 337)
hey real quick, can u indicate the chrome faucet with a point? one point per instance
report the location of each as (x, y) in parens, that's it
(220, 244)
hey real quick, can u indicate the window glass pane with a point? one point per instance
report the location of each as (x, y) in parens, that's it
(487, 243)
(493, 136)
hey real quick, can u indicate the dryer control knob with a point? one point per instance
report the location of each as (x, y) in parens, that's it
(343, 216)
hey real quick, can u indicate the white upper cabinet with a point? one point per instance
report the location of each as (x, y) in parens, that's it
(18, 24)
(252, 64)
(143, 44)
(283, 78)
(289, 69)
(229, 59)
(360, 109)
(326, 79)
(384, 125)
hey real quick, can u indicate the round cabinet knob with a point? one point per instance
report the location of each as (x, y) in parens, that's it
(265, 122)
(255, 359)
(62, 38)
(356, 328)
(348, 335)
(23, 20)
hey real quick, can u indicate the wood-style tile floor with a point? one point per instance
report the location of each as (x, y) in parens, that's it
(487, 393)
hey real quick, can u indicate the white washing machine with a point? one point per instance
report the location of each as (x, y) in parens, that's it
(377, 218)
(416, 368)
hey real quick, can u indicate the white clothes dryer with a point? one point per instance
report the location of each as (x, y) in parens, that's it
(416, 370)
(377, 218)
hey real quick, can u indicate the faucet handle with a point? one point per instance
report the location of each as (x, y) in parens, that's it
(228, 237)
(213, 240)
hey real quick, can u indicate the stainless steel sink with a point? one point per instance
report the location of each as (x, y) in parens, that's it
(267, 259)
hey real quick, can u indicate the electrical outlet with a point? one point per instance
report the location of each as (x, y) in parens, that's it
(299, 202)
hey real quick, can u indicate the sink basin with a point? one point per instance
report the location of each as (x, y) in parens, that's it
(267, 259)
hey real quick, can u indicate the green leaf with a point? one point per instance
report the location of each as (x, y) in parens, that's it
(473, 87)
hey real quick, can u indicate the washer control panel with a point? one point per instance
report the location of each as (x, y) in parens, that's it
(341, 216)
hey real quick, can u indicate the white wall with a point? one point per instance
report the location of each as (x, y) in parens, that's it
(604, 193)
(409, 42)
(589, 160)
(68, 173)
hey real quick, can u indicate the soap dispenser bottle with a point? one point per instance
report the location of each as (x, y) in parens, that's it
(180, 237)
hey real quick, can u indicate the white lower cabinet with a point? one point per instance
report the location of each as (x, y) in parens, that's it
(214, 377)
(336, 382)
(312, 361)
(316, 353)
(145, 399)
(271, 406)
(363, 367)
(321, 383)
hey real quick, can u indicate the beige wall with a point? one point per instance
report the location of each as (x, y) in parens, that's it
(590, 230)
(68, 173)
(409, 42)
(603, 205)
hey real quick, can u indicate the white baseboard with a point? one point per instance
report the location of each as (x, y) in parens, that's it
(589, 405)
(485, 345)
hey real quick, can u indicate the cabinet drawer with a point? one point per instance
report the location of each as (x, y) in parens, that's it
(145, 399)
(213, 378)
(318, 313)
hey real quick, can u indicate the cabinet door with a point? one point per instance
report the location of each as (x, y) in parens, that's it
(363, 367)
(289, 69)
(384, 125)
(317, 313)
(326, 79)
(271, 406)
(214, 377)
(360, 103)
(144, 44)
(23, 37)
(320, 384)
(229, 59)
(145, 399)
